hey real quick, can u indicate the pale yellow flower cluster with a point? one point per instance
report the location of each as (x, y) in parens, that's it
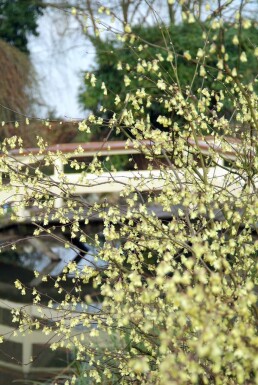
(177, 290)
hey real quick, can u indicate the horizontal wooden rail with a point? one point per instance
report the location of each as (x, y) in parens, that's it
(86, 149)
(204, 144)
(233, 146)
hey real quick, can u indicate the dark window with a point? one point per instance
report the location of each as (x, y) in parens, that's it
(11, 352)
(5, 317)
(43, 356)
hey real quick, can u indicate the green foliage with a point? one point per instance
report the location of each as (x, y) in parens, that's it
(18, 19)
(151, 42)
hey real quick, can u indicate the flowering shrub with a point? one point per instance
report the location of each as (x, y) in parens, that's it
(178, 295)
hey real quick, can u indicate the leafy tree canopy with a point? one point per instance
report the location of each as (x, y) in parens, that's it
(18, 19)
(187, 39)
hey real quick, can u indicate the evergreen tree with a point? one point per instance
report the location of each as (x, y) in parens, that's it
(18, 19)
(111, 56)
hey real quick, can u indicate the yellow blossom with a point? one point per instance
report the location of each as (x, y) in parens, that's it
(187, 55)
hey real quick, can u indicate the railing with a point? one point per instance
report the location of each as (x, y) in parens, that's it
(27, 360)
(107, 182)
